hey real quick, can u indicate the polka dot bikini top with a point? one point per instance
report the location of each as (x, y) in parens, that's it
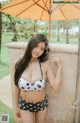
(36, 86)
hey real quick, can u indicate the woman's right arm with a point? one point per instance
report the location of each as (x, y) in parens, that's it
(16, 89)
(16, 101)
(16, 95)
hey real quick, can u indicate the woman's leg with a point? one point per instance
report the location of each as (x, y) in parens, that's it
(27, 117)
(41, 116)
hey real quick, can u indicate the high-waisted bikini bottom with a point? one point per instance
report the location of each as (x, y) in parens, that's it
(33, 107)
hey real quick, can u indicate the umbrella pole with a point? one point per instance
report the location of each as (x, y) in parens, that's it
(77, 95)
(49, 28)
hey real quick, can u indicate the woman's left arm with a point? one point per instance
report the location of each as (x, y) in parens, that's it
(55, 81)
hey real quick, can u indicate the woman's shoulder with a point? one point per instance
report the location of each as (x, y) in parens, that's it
(46, 63)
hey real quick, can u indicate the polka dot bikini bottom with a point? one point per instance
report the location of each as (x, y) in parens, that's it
(33, 107)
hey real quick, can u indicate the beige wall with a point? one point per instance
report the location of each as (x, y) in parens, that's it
(60, 109)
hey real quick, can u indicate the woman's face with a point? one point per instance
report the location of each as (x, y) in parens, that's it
(38, 50)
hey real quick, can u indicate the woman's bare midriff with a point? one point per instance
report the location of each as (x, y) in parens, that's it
(33, 96)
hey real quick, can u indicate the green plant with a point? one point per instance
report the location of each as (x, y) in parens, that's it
(6, 110)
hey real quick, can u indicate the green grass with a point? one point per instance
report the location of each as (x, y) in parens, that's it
(7, 38)
(4, 70)
(4, 64)
(63, 40)
(6, 110)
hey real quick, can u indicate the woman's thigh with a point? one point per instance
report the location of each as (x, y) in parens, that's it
(41, 116)
(27, 117)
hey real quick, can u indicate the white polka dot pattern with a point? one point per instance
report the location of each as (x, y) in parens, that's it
(33, 107)
(27, 86)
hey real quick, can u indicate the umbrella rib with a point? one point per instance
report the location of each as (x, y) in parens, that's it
(72, 5)
(76, 6)
(28, 7)
(62, 11)
(43, 9)
(63, 14)
(45, 3)
(14, 5)
(40, 6)
(57, 7)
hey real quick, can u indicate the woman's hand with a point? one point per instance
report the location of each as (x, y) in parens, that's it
(56, 61)
(54, 70)
(17, 112)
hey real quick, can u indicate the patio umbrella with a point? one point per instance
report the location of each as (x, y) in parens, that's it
(42, 10)
(46, 10)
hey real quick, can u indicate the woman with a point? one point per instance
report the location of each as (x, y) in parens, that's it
(30, 76)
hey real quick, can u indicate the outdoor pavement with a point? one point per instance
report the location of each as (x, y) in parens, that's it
(5, 91)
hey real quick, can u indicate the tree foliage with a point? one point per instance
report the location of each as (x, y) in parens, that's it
(0, 31)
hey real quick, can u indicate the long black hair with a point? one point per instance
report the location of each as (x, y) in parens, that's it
(22, 64)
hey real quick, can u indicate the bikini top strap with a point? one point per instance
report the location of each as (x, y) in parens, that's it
(41, 69)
